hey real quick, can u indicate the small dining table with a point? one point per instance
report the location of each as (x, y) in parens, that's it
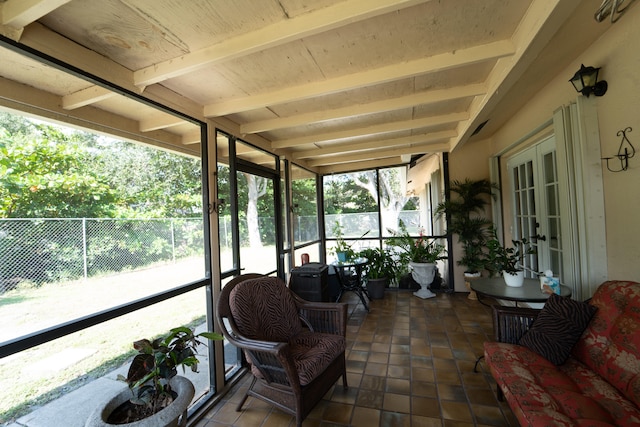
(349, 275)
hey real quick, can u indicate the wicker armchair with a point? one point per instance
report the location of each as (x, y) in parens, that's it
(510, 324)
(295, 348)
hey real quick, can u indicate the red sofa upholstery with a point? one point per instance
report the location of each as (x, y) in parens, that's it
(599, 385)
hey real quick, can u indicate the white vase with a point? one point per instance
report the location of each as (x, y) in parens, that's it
(423, 273)
(514, 280)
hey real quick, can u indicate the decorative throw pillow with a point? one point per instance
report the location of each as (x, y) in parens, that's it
(558, 328)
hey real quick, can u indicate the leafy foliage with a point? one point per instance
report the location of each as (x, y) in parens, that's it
(380, 265)
(466, 218)
(51, 172)
(412, 249)
(501, 259)
(50, 179)
(157, 362)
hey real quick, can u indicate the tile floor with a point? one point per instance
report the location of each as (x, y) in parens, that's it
(409, 363)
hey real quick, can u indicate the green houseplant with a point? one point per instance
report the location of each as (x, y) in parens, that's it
(412, 249)
(156, 395)
(417, 255)
(342, 250)
(465, 218)
(507, 261)
(380, 270)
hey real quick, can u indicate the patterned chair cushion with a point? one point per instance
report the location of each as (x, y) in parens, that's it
(265, 310)
(558, 328)
(313, 352)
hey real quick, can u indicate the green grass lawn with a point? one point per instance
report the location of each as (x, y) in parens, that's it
(43, 373)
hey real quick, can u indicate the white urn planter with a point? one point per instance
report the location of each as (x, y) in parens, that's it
(423, 273)
(174, 415)
(468, 278)
(514, 280)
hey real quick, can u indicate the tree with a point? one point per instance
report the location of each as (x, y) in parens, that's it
(49, 175)
(256, 188)
(392, 200)
(152, 183)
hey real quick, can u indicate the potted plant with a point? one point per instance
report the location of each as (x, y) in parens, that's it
(419, 254)
(507, 261)
(379, 270)
(342, 250)
(156, 395)
(465, 218)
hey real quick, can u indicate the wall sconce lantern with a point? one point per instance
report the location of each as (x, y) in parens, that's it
(585, 80)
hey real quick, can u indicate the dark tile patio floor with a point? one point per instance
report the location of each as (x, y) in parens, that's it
(409, 362)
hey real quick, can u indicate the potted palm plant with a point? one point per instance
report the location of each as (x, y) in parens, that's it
(380, 270)
(156, 395)
(419, 254)
(464, 211)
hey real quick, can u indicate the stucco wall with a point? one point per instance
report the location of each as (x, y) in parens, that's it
(618, 53)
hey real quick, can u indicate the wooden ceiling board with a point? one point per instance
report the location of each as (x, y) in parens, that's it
(338, 125)
(438, 108)
(346, 98)
(112, 29)
(454, 77)
(294, 8)
(287, 65)
(362, 80)
(202, 23)
(417, 32)
(205, 86)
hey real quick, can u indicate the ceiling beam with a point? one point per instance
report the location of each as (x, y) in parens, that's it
(374, 145)
(160, 121)
(279, 33)
(356, 166)
(86, 97)
(398, 71)
(49, 106)
(20, 13)
(392, 152)
(193, 137)
(372, 130)
(399, 103)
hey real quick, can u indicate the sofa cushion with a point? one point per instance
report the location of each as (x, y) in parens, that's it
(558, 328)
(610, 343)
(543, 394)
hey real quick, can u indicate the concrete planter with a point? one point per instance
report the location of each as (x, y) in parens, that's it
(174, 415)
(423, 273)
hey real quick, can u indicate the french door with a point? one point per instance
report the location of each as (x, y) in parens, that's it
(533, 176)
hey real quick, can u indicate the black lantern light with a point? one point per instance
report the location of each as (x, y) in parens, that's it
(585, 80)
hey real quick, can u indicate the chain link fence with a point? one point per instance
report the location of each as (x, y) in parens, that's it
(40, 251)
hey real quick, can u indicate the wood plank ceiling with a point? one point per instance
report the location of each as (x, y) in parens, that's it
(333, 85)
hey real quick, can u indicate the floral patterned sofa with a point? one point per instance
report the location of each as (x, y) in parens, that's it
(571, 363)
